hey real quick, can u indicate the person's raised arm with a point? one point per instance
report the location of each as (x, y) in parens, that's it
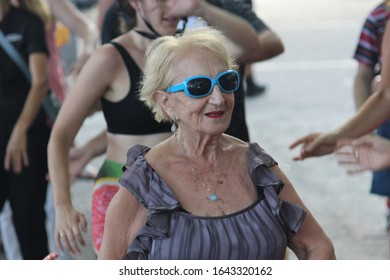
(103, 6)
(362, 84)
(240, 33)
(270, 43)
(80, 24)
(373, 113)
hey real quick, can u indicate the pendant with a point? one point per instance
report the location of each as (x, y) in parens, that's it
(213, 197)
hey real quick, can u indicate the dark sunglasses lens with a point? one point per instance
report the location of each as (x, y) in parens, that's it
(199, 86)
(229, 81)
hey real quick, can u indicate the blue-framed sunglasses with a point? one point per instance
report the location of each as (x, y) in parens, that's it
(201, 86)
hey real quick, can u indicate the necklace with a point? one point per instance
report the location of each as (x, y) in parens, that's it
(212, 194)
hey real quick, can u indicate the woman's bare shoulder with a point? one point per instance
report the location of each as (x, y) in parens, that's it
(234, 144)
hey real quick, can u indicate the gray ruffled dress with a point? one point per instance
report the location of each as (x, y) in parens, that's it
(257, 232)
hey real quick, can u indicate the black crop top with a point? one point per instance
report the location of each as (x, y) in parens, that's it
(130, 115)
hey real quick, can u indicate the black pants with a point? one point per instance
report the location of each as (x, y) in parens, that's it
(26, 193)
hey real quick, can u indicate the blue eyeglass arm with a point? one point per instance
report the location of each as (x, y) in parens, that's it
(176, 88)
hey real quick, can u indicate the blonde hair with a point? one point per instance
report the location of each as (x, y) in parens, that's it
(162, 51)
(38, 7)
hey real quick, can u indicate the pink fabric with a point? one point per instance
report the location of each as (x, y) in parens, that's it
(101, 198)
(55, 71)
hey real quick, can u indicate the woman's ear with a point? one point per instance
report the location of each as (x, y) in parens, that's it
(164, 101)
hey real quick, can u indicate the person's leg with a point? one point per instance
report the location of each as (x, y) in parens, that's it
(388, 213)
(10, 243)
(8, 234)
(252, 88)
(381, 179)
(27, 194)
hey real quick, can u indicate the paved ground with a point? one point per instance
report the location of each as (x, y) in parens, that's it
(309, 88)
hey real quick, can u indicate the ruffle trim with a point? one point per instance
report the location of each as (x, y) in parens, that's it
(156, 227)
(144, 183)
(290, 215)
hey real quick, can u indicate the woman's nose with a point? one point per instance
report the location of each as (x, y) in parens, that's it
(216, 95)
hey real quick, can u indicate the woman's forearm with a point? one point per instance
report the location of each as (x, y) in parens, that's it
(373, 113)
(58, 157)
(37, 92)
(82, 26)
(239, 31)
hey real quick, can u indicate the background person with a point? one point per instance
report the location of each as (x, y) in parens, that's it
(372, 114)
(24, 131)
(52, 12)
(368, 56)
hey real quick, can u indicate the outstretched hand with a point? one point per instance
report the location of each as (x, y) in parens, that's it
(365, 153)
(315, 144)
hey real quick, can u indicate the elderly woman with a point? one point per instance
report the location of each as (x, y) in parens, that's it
(202, 194)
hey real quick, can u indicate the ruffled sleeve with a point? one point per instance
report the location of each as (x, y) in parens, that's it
(152, 192)
(290, 215)
(143, 182)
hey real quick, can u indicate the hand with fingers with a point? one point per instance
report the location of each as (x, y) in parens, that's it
(51, 257)
(70, 225)
(315, 144)
(369, 152)
(16, 153)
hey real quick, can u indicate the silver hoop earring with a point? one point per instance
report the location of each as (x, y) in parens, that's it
(174, 125)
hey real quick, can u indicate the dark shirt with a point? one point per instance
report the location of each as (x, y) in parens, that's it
(26, 32)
